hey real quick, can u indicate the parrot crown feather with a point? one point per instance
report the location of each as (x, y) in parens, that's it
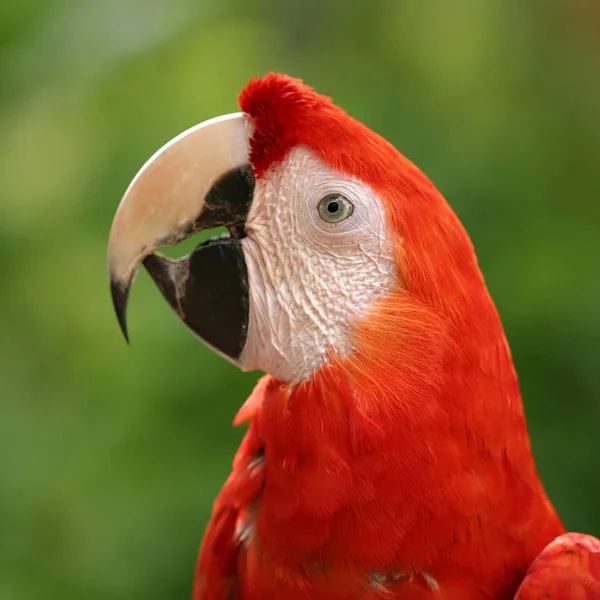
(280, 107)
(285, 113)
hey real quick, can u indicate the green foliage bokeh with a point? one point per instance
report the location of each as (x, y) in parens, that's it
(110, 456)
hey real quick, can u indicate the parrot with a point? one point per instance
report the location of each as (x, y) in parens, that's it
(386, 454)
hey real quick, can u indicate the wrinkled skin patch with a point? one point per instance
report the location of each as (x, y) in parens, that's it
(309, 279)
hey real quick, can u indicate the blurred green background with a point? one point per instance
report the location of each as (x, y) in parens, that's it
(110, 456)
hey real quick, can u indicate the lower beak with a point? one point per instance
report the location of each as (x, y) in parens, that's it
(200, 180)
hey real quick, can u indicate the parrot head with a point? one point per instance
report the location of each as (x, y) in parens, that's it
(339, 251)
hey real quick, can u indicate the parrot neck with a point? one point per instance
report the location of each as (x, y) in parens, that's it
(413, 449)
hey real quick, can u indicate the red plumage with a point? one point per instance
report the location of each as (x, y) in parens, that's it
(403, 471)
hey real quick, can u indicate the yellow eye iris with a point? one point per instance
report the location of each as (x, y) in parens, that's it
(335, 208)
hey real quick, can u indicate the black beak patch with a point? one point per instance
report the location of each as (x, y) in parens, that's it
(208, 289)
(228, 201)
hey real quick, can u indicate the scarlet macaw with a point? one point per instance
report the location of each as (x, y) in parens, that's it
(387, 454)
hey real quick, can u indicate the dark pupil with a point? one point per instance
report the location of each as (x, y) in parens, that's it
(333, 207)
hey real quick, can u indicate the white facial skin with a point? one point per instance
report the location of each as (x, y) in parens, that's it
(310, 280)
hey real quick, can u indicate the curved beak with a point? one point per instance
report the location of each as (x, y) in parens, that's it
(199, 180)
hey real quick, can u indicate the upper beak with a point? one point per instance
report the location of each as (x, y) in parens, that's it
(199, 180)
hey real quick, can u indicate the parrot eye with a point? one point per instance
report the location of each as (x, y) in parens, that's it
(335, 208)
